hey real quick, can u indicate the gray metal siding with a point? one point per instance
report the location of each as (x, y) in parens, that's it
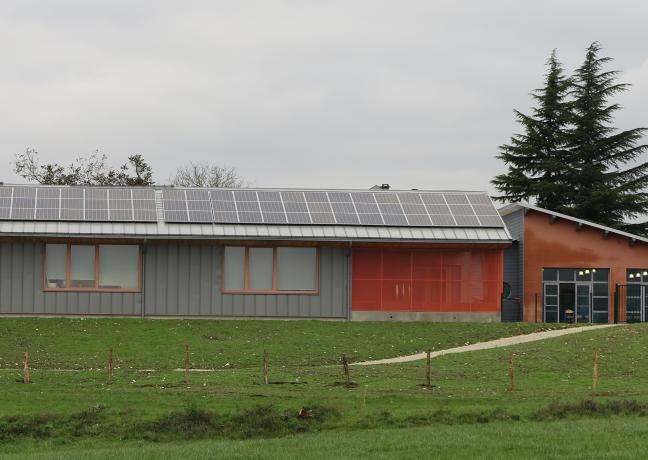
(21, 288)
(179, 280)
(514, 267)
(186, 280)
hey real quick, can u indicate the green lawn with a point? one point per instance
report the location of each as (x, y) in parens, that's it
(389, 411)
(158, 344)
(585, 439)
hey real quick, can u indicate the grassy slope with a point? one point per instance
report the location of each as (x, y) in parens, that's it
(557, 369)
(158, 344)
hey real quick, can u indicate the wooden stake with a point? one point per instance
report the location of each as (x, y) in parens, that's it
(186, 362)
(511, 372)
(595, 371)
(26, 376)
(110, 366)
(265, 367)
(428, 368)
(345, 366)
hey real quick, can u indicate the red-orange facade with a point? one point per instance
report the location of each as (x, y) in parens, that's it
(427, 280)
(561, 243)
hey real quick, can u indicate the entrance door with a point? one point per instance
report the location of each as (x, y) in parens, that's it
(583, 303)
(567, 303)
(634, 301)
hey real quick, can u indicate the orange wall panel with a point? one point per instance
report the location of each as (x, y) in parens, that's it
(420, 280)
(561, 244)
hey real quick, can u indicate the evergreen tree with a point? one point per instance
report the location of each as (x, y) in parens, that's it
(536, 159)
(602, 191)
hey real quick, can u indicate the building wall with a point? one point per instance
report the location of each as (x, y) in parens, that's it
(178, 279)
(514, 267)
(447, 281)
(21, 288)
(186, 280)
(562, 244)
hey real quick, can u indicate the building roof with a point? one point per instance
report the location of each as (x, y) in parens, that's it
(300, 214)
(523, 206)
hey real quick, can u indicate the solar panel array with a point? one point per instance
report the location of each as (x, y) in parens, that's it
(78, 203)
(308, 207)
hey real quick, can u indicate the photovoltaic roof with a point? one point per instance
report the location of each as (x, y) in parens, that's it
(383, 208)
(96, 204)
(331, 207)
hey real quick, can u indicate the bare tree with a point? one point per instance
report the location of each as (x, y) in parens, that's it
(208, 175)
(91, 170)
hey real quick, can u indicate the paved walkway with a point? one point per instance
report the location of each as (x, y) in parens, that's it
(503, 342)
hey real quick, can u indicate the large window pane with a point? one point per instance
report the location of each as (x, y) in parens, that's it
(82, 266)
(297, 269)
(56, 256)
(261, 261)
(118, 266)
(234, 268)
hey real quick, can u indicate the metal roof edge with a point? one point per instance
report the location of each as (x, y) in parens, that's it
(513, 207)
(270, 189)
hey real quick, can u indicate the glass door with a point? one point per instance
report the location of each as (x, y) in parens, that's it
(550, 303)
(634, 300)
(583, 303)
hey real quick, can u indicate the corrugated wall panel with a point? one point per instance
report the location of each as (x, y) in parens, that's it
(185, 280)
(21, 288)
(514, 267)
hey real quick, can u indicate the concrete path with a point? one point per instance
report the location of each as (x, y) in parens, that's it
(498, 343)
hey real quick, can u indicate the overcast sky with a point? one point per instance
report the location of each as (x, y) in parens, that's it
(298, 93)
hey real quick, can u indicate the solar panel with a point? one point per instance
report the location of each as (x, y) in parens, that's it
(72, 205)
(379, 208)
(96, 204)
(199, 205)
(307, 207)
(272, 207)
(77, 203)
(48, 203)
(23, 204)
(296, 208)
(175, 206)
(143, 205)
(319, 208)
(5, 202)
(120, 205)
(247, 206)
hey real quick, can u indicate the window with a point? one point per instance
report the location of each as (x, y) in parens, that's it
(92, 267)
(118, 266)
(296, 269)
(270, 270)
(56, 256)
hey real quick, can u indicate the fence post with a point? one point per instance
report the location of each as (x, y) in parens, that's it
(26, 375)
(428, 366)
(511, 372)
(110, 366)
(345, 367)
(265, 367)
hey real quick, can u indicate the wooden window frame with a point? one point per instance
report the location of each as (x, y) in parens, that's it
(275, 290)
(96, 287)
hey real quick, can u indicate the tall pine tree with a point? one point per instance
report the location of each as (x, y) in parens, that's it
(609, 183)
(537, 170)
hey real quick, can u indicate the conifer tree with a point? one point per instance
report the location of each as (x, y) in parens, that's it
(609, 181)
(536, 159)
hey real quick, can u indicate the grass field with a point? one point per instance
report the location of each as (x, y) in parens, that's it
(69, 411)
